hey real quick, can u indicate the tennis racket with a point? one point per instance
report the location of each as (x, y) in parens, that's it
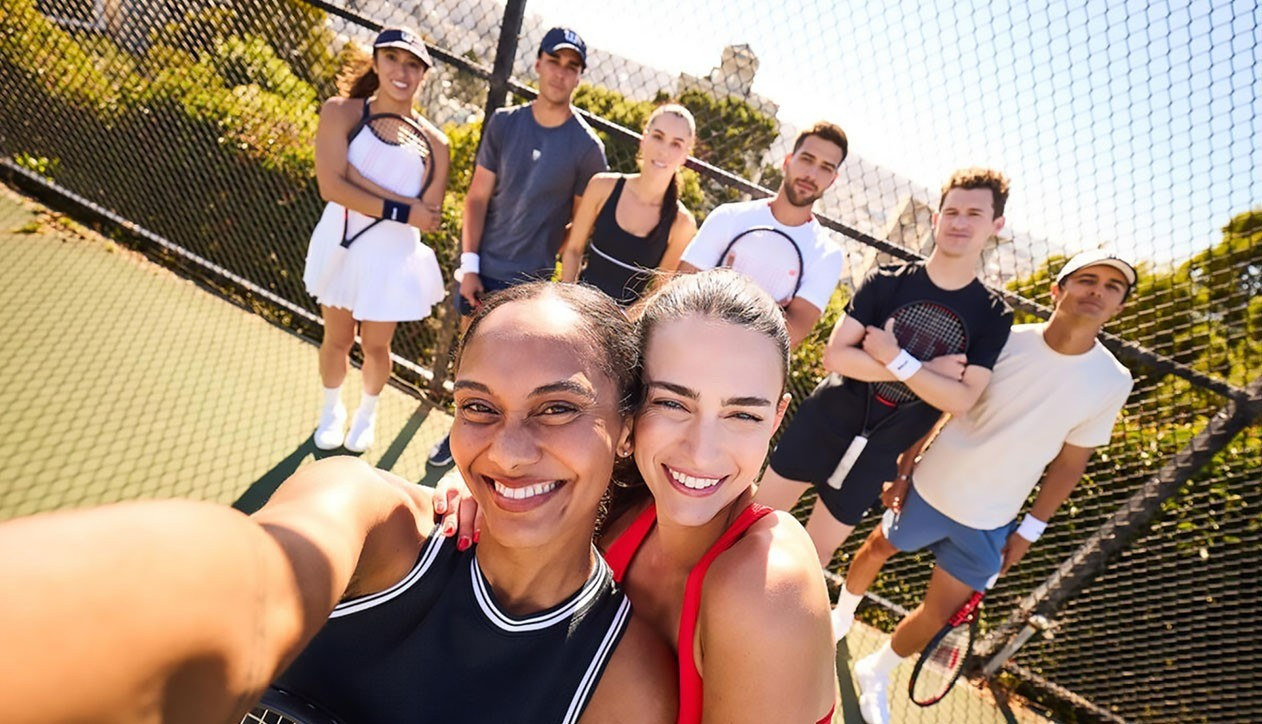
(942, 661)
(393, 130)
(768, 256)
(926, 330)
(280, 707)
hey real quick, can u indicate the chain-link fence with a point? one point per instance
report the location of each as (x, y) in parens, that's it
(1133, 128)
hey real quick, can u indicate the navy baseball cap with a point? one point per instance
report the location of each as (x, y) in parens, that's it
(561, 39)
(404, 39)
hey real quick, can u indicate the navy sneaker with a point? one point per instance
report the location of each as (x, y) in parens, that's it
(440, 454)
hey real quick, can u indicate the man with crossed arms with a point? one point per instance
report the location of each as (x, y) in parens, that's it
(1053, 398)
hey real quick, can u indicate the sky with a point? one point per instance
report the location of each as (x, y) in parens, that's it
(1126, 125)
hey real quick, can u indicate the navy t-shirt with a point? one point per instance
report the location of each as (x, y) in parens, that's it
(843, 403)
(538, 172)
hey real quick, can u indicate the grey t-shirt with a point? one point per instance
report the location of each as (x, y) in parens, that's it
(538, 172)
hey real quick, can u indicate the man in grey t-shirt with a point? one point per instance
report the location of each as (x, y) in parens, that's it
(532, 167)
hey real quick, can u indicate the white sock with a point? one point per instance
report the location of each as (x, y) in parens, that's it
(332, 396)
(368, 405)
(884, 661)
(847, 602)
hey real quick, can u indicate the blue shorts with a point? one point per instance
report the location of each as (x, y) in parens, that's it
(488, 285)
(971, 555)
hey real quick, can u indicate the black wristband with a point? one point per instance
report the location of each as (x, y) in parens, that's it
(395, 211)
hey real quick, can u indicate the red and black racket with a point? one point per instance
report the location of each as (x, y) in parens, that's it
(281, 707)
(942, 661)
(926, 330)
(392, 130)
(768, 256)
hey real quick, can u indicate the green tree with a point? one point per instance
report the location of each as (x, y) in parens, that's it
(732, 135)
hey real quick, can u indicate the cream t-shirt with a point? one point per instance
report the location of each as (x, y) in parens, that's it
(983, 465)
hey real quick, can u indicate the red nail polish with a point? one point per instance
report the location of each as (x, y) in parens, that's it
(463, 543)
(476, 534)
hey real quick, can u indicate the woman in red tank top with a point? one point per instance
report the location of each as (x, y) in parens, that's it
(734, 586)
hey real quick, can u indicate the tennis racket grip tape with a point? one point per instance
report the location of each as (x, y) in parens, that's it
(848, 459)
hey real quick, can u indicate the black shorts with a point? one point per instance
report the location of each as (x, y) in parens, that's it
(817, 437)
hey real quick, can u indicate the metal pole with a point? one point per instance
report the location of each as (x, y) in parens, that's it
(505, 54)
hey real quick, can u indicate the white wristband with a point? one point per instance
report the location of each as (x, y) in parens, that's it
(470, 262)
(903, 366)
(1031, 528)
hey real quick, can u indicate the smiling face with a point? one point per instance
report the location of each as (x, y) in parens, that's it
(666, 143)
(713, 400)
(400, 73)
(965, 222)
(537, 424)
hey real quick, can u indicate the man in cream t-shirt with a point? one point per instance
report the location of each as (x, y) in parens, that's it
(1053, 398)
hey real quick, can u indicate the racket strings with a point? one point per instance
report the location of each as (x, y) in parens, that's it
(400, 132)
(940, 666)
(768, 257)
(926, 330)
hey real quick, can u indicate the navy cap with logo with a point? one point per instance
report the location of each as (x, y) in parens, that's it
(562, 39)
(404, 39)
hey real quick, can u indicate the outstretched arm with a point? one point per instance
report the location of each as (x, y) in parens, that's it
(178, 610)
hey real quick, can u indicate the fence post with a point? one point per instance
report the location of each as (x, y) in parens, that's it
(505, 54)
(1119, 530)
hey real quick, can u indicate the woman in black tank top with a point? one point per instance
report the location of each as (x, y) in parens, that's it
(525, 626)
(634, 222)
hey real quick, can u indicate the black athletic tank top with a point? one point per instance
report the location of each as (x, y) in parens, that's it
(435, 647)
(620, 263)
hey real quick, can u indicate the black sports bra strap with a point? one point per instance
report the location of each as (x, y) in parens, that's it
(355, 128)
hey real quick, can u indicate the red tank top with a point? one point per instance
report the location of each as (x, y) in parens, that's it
(623, 550)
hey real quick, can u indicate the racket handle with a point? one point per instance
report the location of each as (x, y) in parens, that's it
(847, 462)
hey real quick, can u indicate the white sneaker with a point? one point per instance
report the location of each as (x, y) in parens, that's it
(332, 428)
(363, 432)
(874, 701)
(841, 624)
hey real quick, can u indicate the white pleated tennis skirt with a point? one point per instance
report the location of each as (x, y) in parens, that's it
(387, 275)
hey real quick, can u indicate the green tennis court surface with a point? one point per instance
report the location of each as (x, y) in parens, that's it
(121, 380)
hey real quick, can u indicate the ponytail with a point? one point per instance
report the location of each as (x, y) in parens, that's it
(358, 79)
(670, 210)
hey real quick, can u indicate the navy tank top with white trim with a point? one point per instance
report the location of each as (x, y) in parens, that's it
(436, 647)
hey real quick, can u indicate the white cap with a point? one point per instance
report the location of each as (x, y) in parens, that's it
(1096, 258)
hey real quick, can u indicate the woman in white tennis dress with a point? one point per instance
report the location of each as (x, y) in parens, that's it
(387, 275)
